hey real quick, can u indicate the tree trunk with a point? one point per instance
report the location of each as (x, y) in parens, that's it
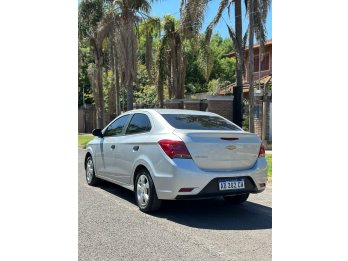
(251, 66)
(169, 87)
(160, 91)
(169, 77)
(112, 91)
(129, 96)
(174, 69)
(128, 57)
(265, 109)
(117, 81)
(238, 91)
(99, 96)
(181, 70)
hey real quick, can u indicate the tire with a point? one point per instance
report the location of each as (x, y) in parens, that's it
(91, 179)
(145, 192)
(237, 199)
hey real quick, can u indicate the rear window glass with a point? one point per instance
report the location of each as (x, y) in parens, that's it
(198, 122)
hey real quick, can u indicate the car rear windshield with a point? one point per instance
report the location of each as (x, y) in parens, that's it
(198, 122)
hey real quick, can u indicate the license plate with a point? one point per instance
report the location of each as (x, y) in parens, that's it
(231, 184)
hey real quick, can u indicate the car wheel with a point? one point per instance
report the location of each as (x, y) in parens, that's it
(237, 199)
(91, 179)
(145, 192)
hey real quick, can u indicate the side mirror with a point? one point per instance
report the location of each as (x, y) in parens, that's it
(97, 133)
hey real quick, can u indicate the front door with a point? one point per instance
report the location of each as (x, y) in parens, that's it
(110, 148)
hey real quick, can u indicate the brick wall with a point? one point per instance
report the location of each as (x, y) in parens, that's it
(258, 117)
(192, 105)
(222, 105)
(174, 104)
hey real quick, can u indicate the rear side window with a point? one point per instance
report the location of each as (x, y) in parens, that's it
(116, 127)
(198, 122)
(138, 124)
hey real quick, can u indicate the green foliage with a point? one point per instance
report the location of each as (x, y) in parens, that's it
(146, 92)
(269, 165)
(90, 13)
(213, 86)
(85, 92)
(224, 68)
(107, 84)
(220, 69)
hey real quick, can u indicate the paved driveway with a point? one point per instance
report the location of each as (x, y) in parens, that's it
(112, 228)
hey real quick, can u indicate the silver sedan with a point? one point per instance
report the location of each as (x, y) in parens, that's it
(164, 154)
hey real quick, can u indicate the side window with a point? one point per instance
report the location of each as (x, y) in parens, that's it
(138, 124)
(116, 127)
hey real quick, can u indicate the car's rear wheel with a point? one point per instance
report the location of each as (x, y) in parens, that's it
(237, 199)
(145, 192)
(91, 179)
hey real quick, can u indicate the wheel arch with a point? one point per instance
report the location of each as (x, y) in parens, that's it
(141, 164)
(89, 152)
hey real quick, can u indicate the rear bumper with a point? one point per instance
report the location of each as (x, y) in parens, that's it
(181, 173)
(212, 190)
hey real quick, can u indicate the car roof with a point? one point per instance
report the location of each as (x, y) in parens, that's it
(174, 111)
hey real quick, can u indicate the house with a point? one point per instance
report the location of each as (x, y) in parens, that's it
(262, 90)
(262, 69)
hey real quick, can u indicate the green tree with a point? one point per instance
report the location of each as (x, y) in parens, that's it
(129, 14)
(85, 91)
(94, 25)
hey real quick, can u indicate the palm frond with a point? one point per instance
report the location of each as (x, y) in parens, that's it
(208, 32)
(192, 17)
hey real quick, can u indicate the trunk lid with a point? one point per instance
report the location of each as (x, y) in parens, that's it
(221, 150)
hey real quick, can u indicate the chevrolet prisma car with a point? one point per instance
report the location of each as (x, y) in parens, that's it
(164, 154)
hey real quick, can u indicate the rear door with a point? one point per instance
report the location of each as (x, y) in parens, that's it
(133, 143)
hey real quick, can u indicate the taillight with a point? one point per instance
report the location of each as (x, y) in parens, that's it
(175, 149)
(262, 151)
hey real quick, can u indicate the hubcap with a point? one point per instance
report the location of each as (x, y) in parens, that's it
(89, 170)
(143, 190)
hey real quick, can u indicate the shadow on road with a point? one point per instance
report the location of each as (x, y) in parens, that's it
(206, 214)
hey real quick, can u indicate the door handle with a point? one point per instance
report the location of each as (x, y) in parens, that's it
(113, 147)
(135, 148)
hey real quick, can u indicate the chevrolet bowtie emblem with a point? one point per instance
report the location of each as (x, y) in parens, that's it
(231, 147)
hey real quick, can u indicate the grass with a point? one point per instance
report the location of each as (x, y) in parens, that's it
(84, 139)
(269, 163)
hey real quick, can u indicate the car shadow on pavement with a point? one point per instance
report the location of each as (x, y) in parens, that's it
(213, 214)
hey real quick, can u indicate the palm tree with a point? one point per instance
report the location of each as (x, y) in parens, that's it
(171, 59)
(94, 24)
(259, 14)
(251, 65)
(129, 14)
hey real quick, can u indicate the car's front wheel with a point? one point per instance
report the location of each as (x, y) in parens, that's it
(91, 179)
(145, 192)
(237, 199)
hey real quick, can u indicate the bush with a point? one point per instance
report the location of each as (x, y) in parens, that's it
(214, 86)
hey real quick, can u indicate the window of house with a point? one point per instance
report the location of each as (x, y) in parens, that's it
(139, 123)
(116, 127)
(264, 63)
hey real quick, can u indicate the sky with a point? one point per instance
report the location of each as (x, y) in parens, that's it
(163, 7)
